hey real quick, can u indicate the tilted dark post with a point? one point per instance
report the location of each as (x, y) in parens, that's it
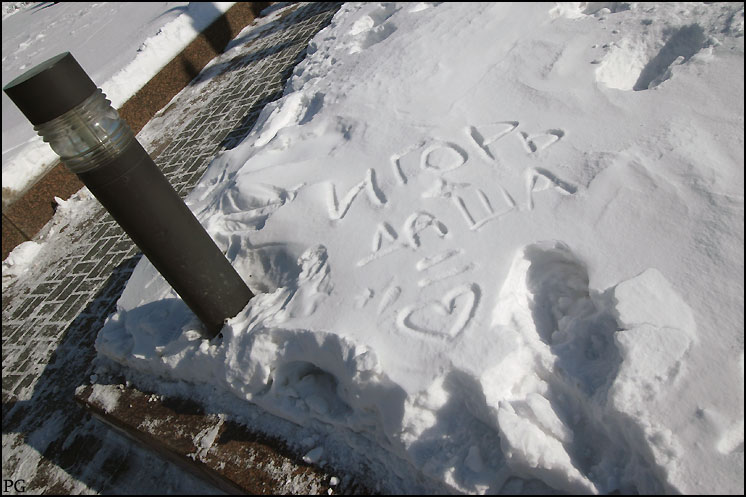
(74, 117)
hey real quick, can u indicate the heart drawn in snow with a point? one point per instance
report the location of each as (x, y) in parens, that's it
(447, 317)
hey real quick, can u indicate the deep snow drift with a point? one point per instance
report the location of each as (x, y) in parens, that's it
(497, 248)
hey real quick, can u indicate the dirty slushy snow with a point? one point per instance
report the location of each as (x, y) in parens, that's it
(496, 248)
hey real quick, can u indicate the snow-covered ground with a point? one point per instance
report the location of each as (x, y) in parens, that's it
(121, 45)
(496, 247)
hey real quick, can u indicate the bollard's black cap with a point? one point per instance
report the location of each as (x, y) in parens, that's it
(50, 89)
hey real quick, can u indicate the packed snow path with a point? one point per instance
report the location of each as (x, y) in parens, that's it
(53, 306)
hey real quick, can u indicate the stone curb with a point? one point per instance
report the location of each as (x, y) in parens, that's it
(223, 452)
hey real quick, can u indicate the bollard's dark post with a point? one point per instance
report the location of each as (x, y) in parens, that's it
(74, 117)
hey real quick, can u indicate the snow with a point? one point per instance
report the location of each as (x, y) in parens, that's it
(495, 247)
(107, 396)
(121, 46)
(502, 244)
(53, 242)
(19, 260)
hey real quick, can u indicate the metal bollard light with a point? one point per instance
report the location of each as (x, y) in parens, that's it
(74, 117)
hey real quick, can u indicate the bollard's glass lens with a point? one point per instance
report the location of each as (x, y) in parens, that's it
(88, 135)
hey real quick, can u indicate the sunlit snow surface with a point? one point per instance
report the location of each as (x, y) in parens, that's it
(496, 248)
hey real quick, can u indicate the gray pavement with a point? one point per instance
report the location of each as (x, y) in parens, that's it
(51, 318)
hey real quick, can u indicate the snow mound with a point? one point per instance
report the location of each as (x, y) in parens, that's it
(478, 269)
